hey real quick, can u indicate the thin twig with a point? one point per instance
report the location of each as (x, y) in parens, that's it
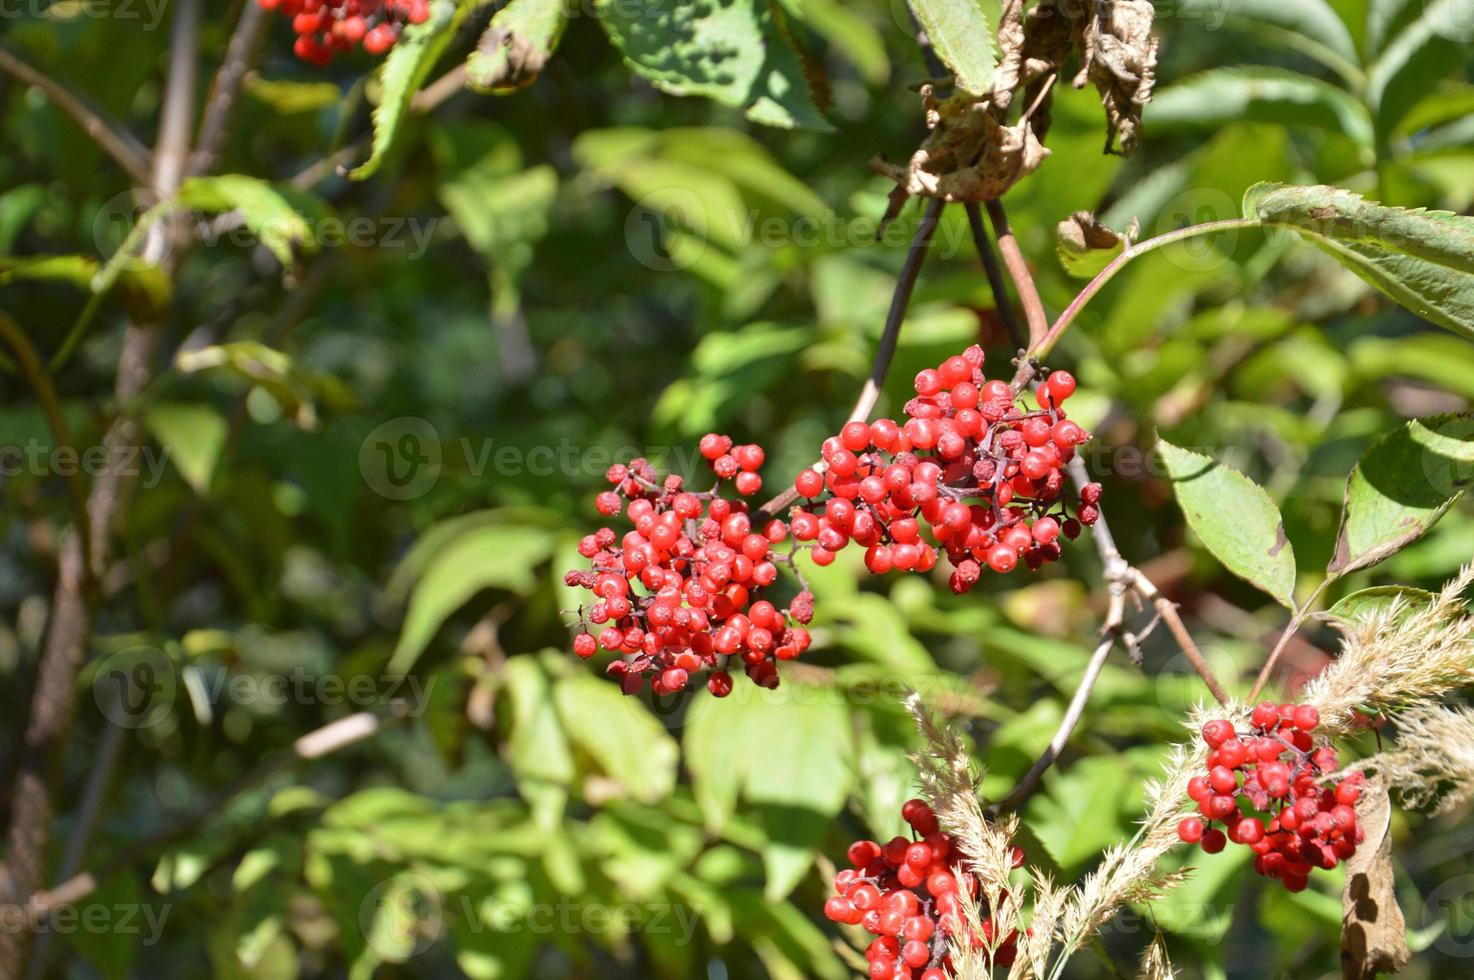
(117, 142)
(885, 351)
(994, 272)
(330, 738)
(1030, 780)
(35, 374)
(240, 56)
(1296, 621)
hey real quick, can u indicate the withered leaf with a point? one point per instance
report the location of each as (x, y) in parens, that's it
(1373, 932)
(1086, 245)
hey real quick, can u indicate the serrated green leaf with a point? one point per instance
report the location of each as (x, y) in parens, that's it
(404, 70)
(731, 52)
(499, 557)
(1246, 93)
(278, 217)
(1422, 259)
(516, 45)
(1234, 518)
(960, 35)
(1401, 487)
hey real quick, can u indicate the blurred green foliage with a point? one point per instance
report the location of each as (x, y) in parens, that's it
(379, 460)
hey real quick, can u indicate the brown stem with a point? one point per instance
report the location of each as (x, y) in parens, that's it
(116, 141)
(69, 629)
(1030, 780)
(1018, 270)
(35, 374)
(994, 272)
(240, 57)
(885, 351)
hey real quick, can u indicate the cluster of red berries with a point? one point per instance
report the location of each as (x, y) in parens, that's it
(984, 474)
(328, 27)
(905, 893)
(1276, 770)
(682, 592)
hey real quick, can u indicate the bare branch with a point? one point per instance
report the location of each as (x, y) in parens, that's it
(240, 56)
(117, 142)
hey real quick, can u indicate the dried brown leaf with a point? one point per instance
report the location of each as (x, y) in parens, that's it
(1373, 932)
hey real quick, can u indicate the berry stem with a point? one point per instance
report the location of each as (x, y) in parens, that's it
(885, 351)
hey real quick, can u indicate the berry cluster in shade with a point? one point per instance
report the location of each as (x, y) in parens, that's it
(326, 28)
(1269, 790)
(983, 474)
(905, 894)
(682, 592)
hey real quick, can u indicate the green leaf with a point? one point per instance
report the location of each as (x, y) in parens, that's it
(1417, 58)
(516, 45)
(404, 71)
(192, 436)
(1401, 487)
(274, 215)
(730, 51)
(1422, 259)
(288, 97)
(502, 216)
(625, 739)
(499, 557)
(143, 289)
(1278, 96)
(1366, 601)
(295, 389)
(1235, 519)
(959, 33)
(1310, 26)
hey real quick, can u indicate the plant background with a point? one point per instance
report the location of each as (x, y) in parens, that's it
(607, 267)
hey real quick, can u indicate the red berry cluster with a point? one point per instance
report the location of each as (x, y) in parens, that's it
(682, 592)
(905, 893)
(985, 475)
(1278, 771)
(328, 27)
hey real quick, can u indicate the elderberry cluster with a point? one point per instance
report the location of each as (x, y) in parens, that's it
(328, 27)
(984, 474)
(1301, 821)
(905, 893)
(682, 592)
